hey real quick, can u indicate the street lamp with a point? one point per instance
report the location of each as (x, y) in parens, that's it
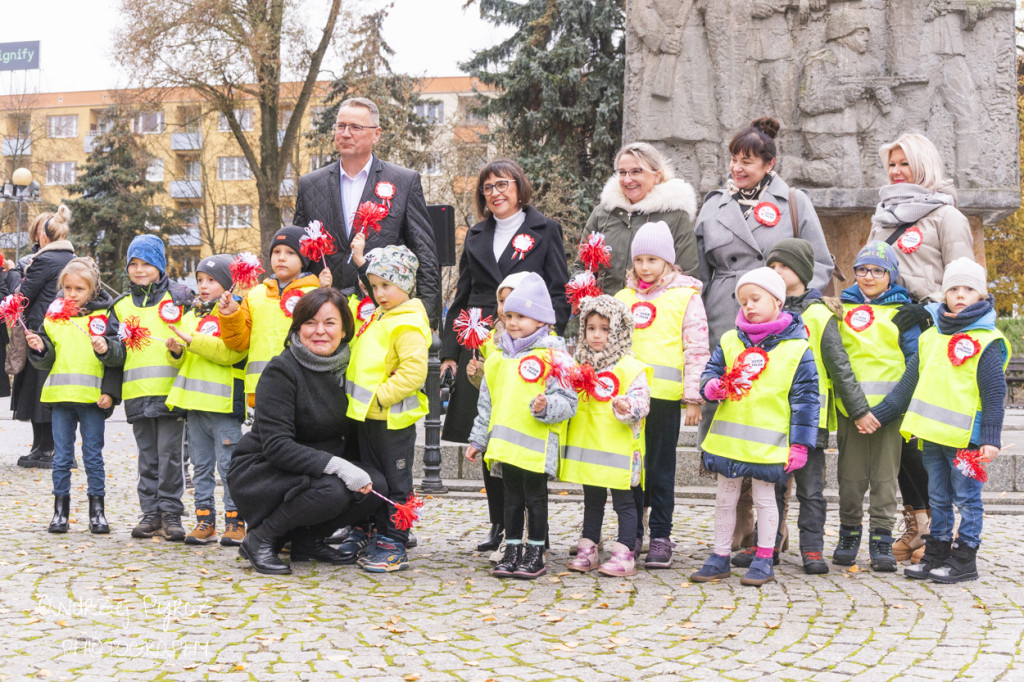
(22, 188)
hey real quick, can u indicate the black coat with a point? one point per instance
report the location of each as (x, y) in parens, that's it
(407, 222)
(299, 426)
(479, 277)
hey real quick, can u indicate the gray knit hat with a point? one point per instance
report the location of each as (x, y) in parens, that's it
(964, 272)
(531, 299)
(395, 263)
(654, 239)
(218, 267)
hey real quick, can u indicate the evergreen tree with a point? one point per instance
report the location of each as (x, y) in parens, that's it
(559, 85)
(116, 202)
(405, 136)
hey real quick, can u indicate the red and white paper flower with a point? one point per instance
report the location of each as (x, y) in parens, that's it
(134, 336)
(911, 240)
(532, 368)
(368, 217)
(364, 310)
(11, 308)
(860, 318)
(594, 252)
(962, 348)
(209, 325)
(62, 310)
(521, 245)
(385, 191)
(246, 270)
(581, 286)
(97, 325)
(968, 463)
(289, 300)
(745, 370)
(643, 314)
(169, 312)
(472, 328)
(767, 214)
(317, 243)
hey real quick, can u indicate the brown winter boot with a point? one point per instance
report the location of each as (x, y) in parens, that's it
(205, 531)
(234, 530)
(917, 522)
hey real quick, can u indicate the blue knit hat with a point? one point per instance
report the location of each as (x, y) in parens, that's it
(531, 299)
(881, 254)
(148, 248)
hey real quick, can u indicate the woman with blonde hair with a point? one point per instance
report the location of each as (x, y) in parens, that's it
(38, 283)
(917, 215)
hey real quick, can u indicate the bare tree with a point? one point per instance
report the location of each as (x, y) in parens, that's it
(229, 52)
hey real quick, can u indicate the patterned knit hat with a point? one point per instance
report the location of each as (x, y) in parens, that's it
(395, 263)
(881, 254)
(620, 336)
(150, 249)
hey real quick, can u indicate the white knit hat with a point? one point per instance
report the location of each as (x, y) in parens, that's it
(964, 272)
(767, 279)
(512, 281)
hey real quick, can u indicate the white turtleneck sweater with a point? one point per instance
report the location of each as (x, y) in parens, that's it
(504, 230)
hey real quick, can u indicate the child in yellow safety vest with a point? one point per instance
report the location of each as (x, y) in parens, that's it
(136, 319)
(953, 393)
(384, 380)
(671, 336)
(81, 391)
(869, 455)
(209, 385)
(525, 400)
(605, 444)
(259, 324)
(765, 380)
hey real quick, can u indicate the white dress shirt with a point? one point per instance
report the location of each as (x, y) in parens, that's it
(352, 191)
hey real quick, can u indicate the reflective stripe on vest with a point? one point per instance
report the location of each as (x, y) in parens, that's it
(147, 371)
(733, 433)
(816, 316)
(202, 384)
(515, 437)
(77, 374)
(947, 402)
(267, 334)
(598, 447)
(660, 344)
(875, 355)
(366, 369)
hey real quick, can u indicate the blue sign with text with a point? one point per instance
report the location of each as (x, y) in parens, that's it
(19, 56)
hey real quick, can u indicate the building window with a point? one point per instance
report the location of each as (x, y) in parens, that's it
(192, 170)
(246, 119)
(317, 161)
(62, 126)
(435, 161)
(155, 171)
(190, 216)
(234, 216)
(233, 168)
(472, 116)
(61, 172)
(148, 123)
(432, 111)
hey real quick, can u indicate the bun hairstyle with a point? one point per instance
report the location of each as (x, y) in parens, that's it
(54, 225)
(757, 139)
(83, 267)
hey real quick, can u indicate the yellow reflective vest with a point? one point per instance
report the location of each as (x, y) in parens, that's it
(946, 402)
(77, 374)
(367, 371)
(598, 447)
(873, 343)
(147, 372)
(756, 428)
(658, 337)
(816, 317)
(269, 331)
(206, 375)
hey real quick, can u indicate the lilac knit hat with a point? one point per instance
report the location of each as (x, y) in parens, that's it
(654, 239)
(531, 299)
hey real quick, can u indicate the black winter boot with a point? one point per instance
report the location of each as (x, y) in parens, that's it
(935, 554)
(880, 546)
(849, 543)
(150, 525)
(173, 530)
(531, 564)
(307, 546)
(960, 566)
(97, 517)
(37, 459)
(259, 552)
(493, 539)
(506, 568)
(61, 511)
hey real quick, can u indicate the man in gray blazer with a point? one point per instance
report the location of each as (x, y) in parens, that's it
(332, 194)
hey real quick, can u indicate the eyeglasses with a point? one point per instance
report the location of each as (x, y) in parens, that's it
(632, 172)
(500, 186)
(875, 273)
(354, 128)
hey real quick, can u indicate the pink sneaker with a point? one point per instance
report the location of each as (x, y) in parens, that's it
(621, 564)
(586, 557)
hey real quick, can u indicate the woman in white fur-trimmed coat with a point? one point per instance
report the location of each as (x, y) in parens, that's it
(643, 189)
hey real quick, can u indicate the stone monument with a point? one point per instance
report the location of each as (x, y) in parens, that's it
(842, 77)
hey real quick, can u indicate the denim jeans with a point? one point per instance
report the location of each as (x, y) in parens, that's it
(212, 437)
(946, 487)
(89, 418)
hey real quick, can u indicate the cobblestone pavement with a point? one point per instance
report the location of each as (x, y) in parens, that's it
(80, 606)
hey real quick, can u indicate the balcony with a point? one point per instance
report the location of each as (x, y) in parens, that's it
(15, 146)
(188, 141)
(186, 189)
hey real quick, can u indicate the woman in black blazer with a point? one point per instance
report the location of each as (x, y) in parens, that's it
(511, 237)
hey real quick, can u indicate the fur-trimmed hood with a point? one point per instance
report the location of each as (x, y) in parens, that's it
(672, 195)
(620, 335)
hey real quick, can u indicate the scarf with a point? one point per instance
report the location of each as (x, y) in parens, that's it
(750, 197)
(512, 347)
(335, 363)
(950, 323)
(905, 203)
(759, 331)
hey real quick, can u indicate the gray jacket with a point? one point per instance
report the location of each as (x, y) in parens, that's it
(729, 246)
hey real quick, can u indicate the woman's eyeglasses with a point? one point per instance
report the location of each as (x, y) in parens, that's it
(632, 172)
(500, 186)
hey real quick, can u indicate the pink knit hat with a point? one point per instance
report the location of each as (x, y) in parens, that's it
(654, 239)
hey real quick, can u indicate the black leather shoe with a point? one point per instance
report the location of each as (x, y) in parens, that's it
(310, 548)
(493, 539)
(37, 459)
(260, 553)
(338, 536)
(97, 517)
(61, 511)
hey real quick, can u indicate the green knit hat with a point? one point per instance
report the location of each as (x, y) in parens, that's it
(795, 254)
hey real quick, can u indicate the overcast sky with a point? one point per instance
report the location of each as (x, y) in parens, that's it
(430, 37)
